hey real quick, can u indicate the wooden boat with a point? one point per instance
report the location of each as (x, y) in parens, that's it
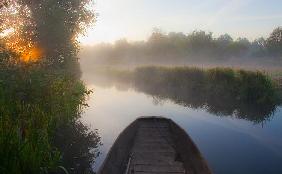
(154, 145)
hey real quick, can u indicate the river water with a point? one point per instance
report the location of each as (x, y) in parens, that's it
(230, 144)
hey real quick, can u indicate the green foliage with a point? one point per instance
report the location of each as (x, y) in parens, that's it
(7, 57)
(38, 99)
(58, 24)
(51, 26)
(34, 104)
(274, 42)
(258, 90)
(24, 141)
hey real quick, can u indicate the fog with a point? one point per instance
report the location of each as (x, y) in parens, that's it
(198, 48)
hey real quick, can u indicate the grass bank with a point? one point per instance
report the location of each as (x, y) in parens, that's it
(34, 104)
(244, 86)
(250, 95)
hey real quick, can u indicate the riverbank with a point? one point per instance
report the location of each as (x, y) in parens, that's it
(250, 95)
(39, 109)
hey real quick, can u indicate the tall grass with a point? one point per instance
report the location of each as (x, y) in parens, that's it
(242, 85)
(224, 91)
(250, 95)
(33, 104)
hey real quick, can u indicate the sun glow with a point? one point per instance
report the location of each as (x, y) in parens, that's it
(16, 40)
(14, 35)
(28, 51)
(31, 55)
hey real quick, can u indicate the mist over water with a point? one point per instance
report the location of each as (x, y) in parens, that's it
(225, 93)
(198, 48)
(62, 114)
(229, 144)
(233, 138)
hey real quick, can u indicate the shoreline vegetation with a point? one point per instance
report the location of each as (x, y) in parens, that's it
(40, 127)
(41, 94)
(250, 95)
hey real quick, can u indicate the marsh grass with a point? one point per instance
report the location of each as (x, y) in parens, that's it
(250, 95)
(246, 86)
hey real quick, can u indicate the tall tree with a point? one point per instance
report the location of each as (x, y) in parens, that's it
(51, 25)
(274, 42)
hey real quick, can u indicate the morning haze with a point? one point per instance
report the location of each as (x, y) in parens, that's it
(135, 19)
(202, 33)
(212, 66)
(140, 86)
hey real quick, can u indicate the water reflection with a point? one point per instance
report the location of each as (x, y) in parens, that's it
(78, 146)
(220, 103)
(229, 145)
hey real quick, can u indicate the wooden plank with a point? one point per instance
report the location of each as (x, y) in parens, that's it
(158, 168)
(154, 155)
(154, 133)
(156, 162)
(154, 146)
(152, 125)
(159, 173)
(153, 150)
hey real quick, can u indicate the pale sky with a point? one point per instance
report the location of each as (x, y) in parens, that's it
(135, 19)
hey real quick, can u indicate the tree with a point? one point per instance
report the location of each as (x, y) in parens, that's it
(274, 42)
(14, 22)
(240, 47)
(178, 40)
(58, 24)
(244, 41)
(224, 40)
(202, 38)
(258, 47)
(223, 45)
(51, 25)
(200, 43)
(157, 36)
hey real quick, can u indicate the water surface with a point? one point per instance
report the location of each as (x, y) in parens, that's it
(229, 143)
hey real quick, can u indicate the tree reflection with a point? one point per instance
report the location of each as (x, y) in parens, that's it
(220, 104)
(219, 96)
(78, 146)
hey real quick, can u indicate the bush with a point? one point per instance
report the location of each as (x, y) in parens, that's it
(33, 103)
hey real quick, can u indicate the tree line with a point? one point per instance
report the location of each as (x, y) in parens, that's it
(196, 46)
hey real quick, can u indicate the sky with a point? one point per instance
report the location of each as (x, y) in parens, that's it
(136, 19)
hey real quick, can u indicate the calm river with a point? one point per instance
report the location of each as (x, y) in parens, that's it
(230, 144)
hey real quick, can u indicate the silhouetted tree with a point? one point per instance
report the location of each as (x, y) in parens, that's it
(200, 41)
(274, 42)
(224, 40)
(258, 47)
(52, 25)
(195, 47)
(223, 45)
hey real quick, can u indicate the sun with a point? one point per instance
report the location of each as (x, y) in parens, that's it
(14, 35)
(27, 50)
(31, 55)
